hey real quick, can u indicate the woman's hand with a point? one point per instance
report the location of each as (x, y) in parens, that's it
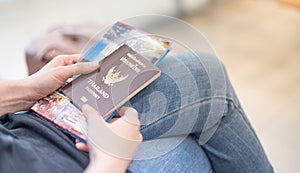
(22, 94)
(56, 72)
(111, 145)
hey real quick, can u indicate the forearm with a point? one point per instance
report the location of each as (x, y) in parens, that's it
(15, 96)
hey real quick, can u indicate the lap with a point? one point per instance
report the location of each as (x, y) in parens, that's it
(194, 96)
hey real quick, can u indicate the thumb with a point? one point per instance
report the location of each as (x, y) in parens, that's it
(130, 116)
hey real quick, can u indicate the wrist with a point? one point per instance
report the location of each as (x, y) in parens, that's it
(23, 94)
(15, 96)
(29, 85)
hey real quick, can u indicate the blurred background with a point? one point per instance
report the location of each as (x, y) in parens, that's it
(258, 40)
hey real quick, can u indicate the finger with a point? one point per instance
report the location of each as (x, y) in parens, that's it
(64, 72)
(113, 120)
(81, 146)
(63, 60)
(82, 68)
(71, 59)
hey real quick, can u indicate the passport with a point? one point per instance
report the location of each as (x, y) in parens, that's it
(121, 75)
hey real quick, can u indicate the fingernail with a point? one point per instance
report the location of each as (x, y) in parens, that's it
(132, 116)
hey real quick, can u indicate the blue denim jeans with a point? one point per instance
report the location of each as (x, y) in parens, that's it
(192, 121)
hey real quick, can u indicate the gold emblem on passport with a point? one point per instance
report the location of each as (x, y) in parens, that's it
(113, 76)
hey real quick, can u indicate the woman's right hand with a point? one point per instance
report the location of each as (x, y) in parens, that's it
(111, 145)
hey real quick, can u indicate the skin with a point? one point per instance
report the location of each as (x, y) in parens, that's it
(21, 94)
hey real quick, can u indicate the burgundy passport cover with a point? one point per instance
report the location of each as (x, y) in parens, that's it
(121, 75)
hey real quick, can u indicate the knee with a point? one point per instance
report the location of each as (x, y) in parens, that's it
(207, 71)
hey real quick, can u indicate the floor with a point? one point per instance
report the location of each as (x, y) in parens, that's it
(257, 40)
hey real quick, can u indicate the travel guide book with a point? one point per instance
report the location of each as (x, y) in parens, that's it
(121, 75)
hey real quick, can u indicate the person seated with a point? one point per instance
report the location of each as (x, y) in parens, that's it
(188, 120)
